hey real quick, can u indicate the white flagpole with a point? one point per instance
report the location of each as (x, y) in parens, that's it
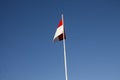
(64, 46)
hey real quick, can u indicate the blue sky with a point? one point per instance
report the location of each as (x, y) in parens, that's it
(27, 51)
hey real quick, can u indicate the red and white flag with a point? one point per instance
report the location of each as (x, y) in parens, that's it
(59, 34)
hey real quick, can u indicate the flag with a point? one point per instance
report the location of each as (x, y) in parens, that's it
(59, 34)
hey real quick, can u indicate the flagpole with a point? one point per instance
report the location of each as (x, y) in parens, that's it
(64, 46)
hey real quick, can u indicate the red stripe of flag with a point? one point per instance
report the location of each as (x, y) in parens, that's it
(60, 23)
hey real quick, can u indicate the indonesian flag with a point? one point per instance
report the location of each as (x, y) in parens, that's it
(59, 34)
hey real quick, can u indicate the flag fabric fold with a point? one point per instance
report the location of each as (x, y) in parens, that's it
(59, 34)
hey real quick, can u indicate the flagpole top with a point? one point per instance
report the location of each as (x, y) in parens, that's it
(62, 15)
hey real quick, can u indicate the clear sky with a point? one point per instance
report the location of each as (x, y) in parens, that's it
(27, 51)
